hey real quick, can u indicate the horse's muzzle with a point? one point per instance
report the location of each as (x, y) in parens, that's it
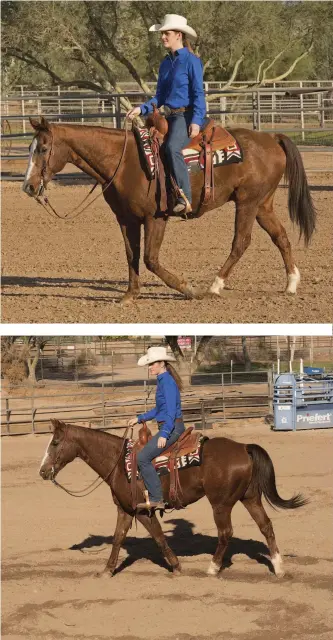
(47, 473)
(29, 189)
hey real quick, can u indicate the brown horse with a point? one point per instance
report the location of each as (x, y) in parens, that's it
(229, 472)
(251, 184)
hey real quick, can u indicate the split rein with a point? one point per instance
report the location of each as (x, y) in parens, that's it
(68, 217)
(82, 493)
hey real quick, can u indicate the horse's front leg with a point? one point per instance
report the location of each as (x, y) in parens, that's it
(130, 228)
(154, 528)
(154, 233)
(124, 522)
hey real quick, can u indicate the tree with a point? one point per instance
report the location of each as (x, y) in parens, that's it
(14, 354)
(89, 45)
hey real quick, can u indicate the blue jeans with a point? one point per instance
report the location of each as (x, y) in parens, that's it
(145, 456)
(176, 140)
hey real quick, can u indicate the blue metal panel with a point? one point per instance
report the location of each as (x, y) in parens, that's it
(302, 402)
(314, 371)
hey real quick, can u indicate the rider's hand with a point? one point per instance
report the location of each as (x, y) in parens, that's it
(132, 113)
(132, 422)
(161, 442)
(194, 130)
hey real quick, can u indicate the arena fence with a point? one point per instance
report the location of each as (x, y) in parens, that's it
(307, 118)
(212, 399)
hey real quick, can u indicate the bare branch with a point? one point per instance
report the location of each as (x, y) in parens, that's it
(259, 69)
(292, 66)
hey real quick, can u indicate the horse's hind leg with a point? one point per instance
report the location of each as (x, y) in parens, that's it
(245, 217)
(222, 517)
(124, 522)
(155, 530)
(259, 515)
(268, 221)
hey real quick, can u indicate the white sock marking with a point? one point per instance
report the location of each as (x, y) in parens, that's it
(46, 455)
(31, 163)
(213, 569)
(278, 565)
(217, 286)
(293, 280)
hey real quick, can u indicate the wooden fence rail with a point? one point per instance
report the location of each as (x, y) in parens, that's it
(108, 413)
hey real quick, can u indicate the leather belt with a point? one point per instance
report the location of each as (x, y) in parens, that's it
(176, 420)
(170, 112)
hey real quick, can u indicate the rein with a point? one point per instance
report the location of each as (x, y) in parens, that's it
(85, 492)
(68, 217)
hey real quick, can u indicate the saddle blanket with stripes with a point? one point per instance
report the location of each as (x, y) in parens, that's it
(161, 463)
(229, 155)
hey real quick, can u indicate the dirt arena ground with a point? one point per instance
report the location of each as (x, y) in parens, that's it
(77, 271)
(53, 545)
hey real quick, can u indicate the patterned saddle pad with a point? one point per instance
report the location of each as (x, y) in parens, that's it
(193, 459)
(229, 155)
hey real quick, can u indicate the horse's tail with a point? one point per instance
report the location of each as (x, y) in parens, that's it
(263, 480)
(301, 207)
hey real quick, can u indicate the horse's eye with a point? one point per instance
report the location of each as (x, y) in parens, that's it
(44, 149)
(55, 443)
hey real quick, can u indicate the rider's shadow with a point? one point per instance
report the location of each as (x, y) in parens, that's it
(184, 542)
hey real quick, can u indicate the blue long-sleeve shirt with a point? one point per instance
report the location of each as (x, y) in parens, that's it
(167, 407)
(180, 84)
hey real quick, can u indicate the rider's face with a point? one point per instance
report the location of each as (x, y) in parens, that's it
(156, 368)
(172, 39)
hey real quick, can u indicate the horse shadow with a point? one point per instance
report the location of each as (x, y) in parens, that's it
(184, 542)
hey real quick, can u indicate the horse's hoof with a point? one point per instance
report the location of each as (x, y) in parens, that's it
(213, 569)
(104, 574)
(176, 571)
(200, 293)
(189, 292)
(128, 299)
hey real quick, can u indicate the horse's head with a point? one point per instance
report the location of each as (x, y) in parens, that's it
(61, 450)
(45, 160)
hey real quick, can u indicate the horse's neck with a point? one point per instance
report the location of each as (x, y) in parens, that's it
(95, 152)
(99, 450)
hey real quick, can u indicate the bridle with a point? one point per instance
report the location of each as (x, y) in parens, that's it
(68, 217)
(82, 493)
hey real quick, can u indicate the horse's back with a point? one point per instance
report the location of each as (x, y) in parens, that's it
(227, 448)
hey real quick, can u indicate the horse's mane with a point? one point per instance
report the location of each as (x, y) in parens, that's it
(98, 434)
(88, 128)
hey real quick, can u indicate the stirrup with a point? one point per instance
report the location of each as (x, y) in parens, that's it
(149, 506)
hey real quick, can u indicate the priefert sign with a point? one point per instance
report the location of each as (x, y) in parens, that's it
(320, 418)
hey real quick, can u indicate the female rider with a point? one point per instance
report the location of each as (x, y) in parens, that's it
(180, 90)
(168, 415)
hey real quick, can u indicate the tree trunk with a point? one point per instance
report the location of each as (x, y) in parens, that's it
(246, 355)
(32, 365)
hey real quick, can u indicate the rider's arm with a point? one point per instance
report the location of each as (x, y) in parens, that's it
(195, 74)
(158, 98)
(150, 415)
(170, 393)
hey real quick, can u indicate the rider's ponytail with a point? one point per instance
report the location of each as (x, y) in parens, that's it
(187, 44)
(175, 375)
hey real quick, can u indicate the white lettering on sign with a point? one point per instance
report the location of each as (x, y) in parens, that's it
(316, 417)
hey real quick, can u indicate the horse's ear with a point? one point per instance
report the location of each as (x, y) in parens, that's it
(45, 125)
(40, 125)
(57, 424)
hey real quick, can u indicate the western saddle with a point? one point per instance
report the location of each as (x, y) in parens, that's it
(210, 139)
(186, 443)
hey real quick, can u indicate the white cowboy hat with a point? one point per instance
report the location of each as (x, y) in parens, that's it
(173, 22)
(156, 354)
